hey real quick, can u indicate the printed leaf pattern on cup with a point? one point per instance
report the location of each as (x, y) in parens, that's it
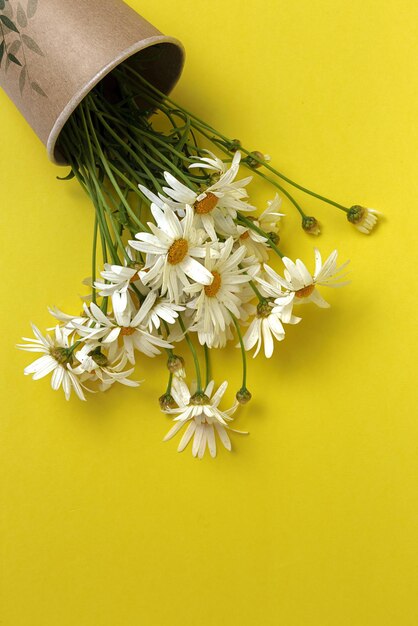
(16, 45)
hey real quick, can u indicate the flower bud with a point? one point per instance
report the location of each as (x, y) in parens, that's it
(356, 214)
(243, 395)
(274, 237)
(167, 402)
(255, 159)
(310, 225)
(175, 365)
(99, 358)
(363, 219)
(234, 145)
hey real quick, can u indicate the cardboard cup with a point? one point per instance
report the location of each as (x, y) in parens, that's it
(55, 51)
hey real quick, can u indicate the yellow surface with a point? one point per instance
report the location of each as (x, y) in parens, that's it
(312, 520)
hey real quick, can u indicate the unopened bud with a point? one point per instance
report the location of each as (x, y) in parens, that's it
(175, 365)
(243, 395)
(255, 159)
(363, 219)
(167, 402)
(234, 145)
(311, 225)
(99, 358)
(274, 237)
(356, 214)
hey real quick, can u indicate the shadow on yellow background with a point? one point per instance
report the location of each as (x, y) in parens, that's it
(312, 520)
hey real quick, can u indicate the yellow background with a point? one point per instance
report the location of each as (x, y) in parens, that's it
(312, 520)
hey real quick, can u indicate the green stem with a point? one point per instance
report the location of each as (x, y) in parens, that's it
(169, 384)
(194, 354)
(109, 174)
(256, 291)
(94, 260)
(242, 148)
(243, 353)
(207, 365)
(250, 224)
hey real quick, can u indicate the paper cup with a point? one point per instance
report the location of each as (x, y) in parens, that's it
(55, 51)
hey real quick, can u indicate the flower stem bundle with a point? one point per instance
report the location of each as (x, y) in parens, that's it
(185, 258)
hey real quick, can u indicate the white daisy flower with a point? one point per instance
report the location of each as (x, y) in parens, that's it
(211, 163)
(127, 325)
(363, 219)
(214, 303)
(105, 368)
(215, 207)
(270, 218)
(266, 326)
(172, 249)
(69, 323)
(203, 418)
(119, 279)
(158, 310)
(299, 285)
(255, 244)
(58, 358)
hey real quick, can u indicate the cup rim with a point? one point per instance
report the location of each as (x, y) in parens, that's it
(78, 97)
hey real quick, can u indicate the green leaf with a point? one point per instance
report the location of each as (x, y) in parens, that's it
(13, 59)
(30, 43)
(8, 22)
(32, 6)
(1, 51)
(22, 79)
(38, 89)
(68, 177)
(13, 49)
(2, 5)
(22, 20)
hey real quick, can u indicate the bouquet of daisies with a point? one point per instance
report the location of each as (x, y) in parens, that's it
(180, 257)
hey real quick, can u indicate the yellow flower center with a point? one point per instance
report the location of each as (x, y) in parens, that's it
(305, 291)
(177, 251)
(127, 330)
(212, 289)
(207, 204)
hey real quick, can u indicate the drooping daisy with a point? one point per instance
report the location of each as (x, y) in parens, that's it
(255, 244)
(157, 310)
(58, 358)
(119, 279)
(215, 207)
(299, 285)
(203, 418)
(69, 323)
(105, 368)
(266, 326)
(215, 303)
(126, 325)
(363, 219)
(172, 249)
